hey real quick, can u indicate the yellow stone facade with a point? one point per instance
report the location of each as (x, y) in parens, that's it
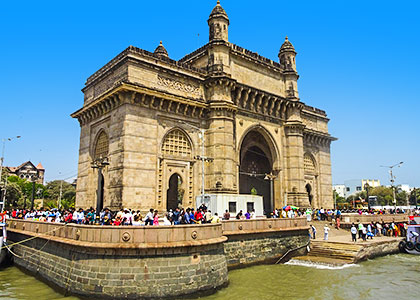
(148, 110)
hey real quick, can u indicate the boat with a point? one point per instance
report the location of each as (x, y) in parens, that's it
(3, 239)
(411, 245)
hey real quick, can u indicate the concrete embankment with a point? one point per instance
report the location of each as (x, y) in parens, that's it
(149, 262)
(338, 253)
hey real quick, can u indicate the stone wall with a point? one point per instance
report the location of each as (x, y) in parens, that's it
(150, 261)
(263, 241)
(123, 262)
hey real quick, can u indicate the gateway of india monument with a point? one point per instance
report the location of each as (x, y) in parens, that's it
(156, 121)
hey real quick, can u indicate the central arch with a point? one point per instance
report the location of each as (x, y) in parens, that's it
(257, 159)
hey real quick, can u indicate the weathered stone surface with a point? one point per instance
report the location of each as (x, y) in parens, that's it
(139, 98)
(122, 276)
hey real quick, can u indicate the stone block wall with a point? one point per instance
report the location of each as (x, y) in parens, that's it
(129, 273)
(267, 247)
(150, 261)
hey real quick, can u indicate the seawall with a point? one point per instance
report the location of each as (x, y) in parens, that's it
(149, 262)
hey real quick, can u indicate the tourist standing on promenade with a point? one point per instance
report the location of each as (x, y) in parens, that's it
(364, 232)
(155, 218)
(353, 231)
(360, 227)
(148, 220)
(313, 231)
(226, 215)
(326, 230)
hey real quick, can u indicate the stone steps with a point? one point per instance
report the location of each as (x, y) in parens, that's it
(331, 253)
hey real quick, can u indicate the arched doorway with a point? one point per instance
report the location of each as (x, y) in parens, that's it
(311, 180)
(255, 163)
(309, 191)
(174, 194)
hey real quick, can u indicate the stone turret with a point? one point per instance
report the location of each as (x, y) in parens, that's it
(218, 24)
(161, 51)
(287, 56)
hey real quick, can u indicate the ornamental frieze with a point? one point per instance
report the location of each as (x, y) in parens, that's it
(178, 85)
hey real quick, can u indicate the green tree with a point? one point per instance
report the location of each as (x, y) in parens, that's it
(52, 194)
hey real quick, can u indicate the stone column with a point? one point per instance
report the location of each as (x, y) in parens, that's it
(326, 195)
(295, 185)
(221, 174)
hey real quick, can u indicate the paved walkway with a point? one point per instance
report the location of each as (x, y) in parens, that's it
(344, 235)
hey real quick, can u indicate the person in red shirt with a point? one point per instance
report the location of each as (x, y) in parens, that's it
(198, 216)
(117, 221)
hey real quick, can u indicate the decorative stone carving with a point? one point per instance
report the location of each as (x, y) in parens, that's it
(126, 236)
(178, 85)
(194, 234)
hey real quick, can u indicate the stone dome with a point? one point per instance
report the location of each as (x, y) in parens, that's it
(287, 46)
(218, 12)
(161, 51)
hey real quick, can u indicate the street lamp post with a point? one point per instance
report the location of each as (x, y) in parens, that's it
(201, 157)
(367, 186)
(99, 164)
(392, 180)
(33, 191)
(1, 168)
(271, 177)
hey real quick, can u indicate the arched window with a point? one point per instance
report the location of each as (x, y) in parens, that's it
(309, 164)
(102, 146)
(177, 144)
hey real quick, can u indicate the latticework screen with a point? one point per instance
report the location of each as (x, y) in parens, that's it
(176, 144)
(309, 164)
(102, 145)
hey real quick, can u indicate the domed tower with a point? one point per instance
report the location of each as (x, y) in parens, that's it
(218, 23)
(287, 56)
(161, 51)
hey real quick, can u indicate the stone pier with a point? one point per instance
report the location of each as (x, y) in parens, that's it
(149, 262)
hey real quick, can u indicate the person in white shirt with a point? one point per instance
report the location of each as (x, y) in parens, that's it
(326, 230)
(166, 221)
(353, 231)
(253, 214)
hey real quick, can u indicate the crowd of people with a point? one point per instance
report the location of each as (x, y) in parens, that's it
(373, 229)
(118, 218)
(178, 216)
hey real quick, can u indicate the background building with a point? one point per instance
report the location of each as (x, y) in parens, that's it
(151, 116)
(354, 186)
(28, 171)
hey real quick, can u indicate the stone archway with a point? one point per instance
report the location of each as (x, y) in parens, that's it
(311, 179)
(175, 173)
(174, 193)
(256, 161)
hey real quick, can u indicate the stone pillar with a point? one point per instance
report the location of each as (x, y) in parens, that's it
(326, 194)
(82, 188)
(295, 185)
(221, 174)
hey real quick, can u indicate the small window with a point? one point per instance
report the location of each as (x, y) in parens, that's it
(347, 189)
(358, 188)
(232, 207)
(250, 206)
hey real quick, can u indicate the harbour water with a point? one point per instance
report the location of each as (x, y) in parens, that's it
(389, 277)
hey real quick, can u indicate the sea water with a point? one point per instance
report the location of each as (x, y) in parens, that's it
(389, 277)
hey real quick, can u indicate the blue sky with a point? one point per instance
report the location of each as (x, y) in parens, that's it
(358, 60)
